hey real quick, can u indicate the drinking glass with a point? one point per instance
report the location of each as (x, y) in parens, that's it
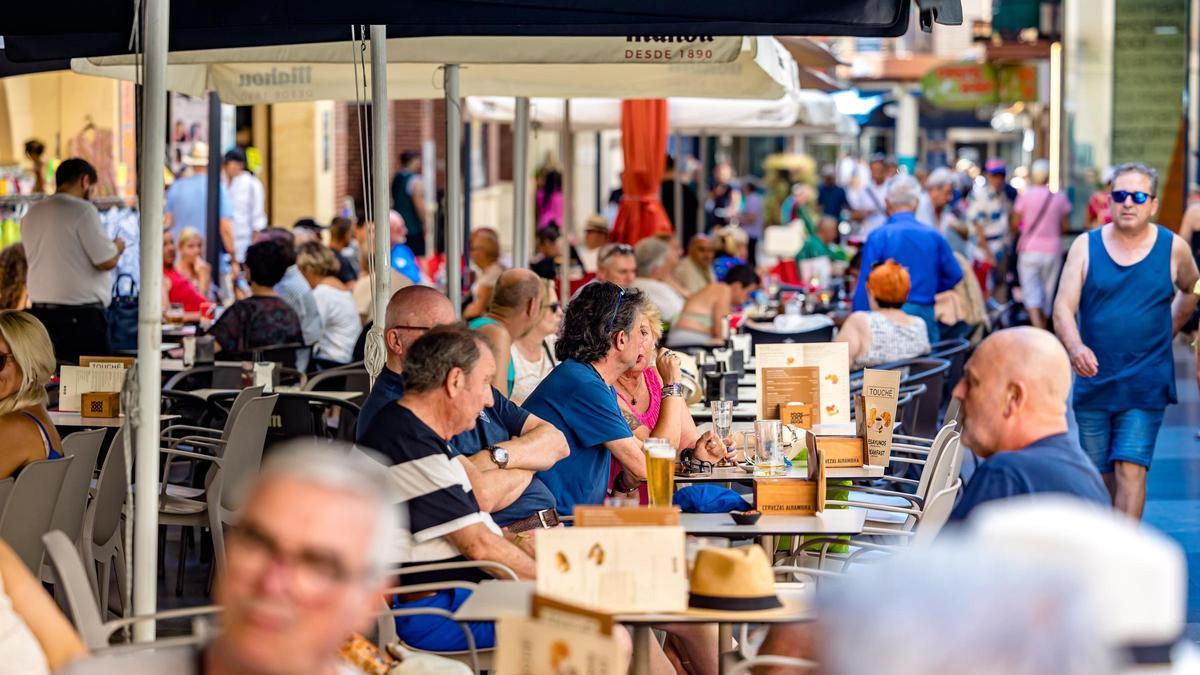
(749, 448)
(660, 471)
(768, 460)
(175, 314)
(722, 418)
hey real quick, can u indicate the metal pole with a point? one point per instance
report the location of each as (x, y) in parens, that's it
(567, 157)
(454, 187)
(212, 237)
(677, 216)
(599, 201)
(149, 367)
(380, 156)
(521, 183)
(702, 185)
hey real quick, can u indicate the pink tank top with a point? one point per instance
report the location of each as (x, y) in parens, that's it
(654, 385)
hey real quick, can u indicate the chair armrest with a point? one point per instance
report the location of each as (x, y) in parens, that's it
(916, 501)
(435, 611)
(435, 586)
(111, 627)
(190, 429)
(794, 569)
(874, 507)
(486, 565)
(176, 452)
(789, 662)
(912, 440)
(909, 460)
(199, 441)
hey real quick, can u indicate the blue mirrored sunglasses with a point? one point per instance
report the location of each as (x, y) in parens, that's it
(1119, 196)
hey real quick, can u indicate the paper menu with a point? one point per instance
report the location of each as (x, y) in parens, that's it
(74, 381)
(617, 570)
(530, 645)
(776, 361)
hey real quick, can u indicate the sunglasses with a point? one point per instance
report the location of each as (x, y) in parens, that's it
(617, 310)
(1139, 197)
(553, 307)
(401, 326)
(615, 249)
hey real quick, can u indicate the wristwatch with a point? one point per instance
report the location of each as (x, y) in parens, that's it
(499, 456)
(672, 390)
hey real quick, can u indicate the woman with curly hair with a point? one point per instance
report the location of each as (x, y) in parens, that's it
(13, 268)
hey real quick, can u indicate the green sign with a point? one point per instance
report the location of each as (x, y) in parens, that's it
(967, 86)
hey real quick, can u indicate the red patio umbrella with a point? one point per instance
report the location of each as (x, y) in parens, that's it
(644, 141)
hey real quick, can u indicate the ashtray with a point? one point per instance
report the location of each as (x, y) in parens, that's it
(745, 517)
(746, 466)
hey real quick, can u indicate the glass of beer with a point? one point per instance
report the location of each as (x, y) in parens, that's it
(768, 459)
(660, 471)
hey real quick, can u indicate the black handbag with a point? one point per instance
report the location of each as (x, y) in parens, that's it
(123, 314)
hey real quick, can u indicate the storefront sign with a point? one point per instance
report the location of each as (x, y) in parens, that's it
(965, 86)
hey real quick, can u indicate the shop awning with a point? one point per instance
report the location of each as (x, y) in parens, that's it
(729, 67)
(104, 27)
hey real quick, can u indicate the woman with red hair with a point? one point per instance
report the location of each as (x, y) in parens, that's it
(885, 333)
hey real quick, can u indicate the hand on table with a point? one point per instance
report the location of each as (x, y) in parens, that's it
(709, 448)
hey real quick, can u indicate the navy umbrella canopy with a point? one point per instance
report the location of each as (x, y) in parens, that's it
(73, 28)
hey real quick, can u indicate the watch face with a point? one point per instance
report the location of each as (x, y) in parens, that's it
(500, 455)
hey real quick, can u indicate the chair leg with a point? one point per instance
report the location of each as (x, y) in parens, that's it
(118, 560)
(184, 539)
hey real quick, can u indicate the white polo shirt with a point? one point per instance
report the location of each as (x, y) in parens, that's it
(64, 242)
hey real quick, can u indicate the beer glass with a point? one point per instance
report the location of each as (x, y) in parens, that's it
(660, 471)
(768, 456)
(722, 418)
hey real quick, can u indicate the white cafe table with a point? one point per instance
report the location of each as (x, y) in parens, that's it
(73, 420)
(176, 365)
(733, 474)
(315, 395)
(830, 522)
(496, 599)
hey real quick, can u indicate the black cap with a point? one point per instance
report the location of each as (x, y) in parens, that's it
(308, 223)
(236, 155)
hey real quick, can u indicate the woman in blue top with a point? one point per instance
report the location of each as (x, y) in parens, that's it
(26, 366)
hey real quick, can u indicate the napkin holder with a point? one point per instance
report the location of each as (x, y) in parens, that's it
(100, 404)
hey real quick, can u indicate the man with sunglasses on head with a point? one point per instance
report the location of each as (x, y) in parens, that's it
(617, 264)
(517, 444)
(1126, 289)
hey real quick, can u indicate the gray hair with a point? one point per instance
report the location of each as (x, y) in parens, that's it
(1039, 171)
(978, 615)
(1137, 167)
(904, 190)
(651, 254)
(429, 360)
(338, 466)
(940, 177)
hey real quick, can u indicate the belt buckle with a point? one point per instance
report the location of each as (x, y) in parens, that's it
(541, 516)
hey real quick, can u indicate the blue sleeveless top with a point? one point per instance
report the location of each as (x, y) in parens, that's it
(1125, 318)
(51, 452)
(477, 323)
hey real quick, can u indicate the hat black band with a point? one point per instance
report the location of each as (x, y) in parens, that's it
(726, 603)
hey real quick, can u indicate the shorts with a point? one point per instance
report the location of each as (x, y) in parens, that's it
(1038, 273)
(436, 634)
(1123, 436)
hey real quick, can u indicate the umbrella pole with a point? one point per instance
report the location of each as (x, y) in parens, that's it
(454, 214)
(520, 256)
(380, 197)
(702, 184)
(677, 216)
(567, 158)
(149, 367)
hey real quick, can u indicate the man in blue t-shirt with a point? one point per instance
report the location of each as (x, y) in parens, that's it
(603, 333)
(517, 443)
(1014, 403)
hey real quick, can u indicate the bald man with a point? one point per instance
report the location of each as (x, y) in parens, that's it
(485, 258)
(516, 308)
(507, 444)
(1014, 401)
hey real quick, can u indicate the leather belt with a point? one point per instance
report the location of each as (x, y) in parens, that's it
(55, 305)
(545, 518)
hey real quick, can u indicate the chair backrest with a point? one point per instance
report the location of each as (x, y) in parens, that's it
(6, 487)
(351, 377)
(934, 462)
(768, 337)
(955, 351)
(71, 576)
(953, 412)
(30, 508)
(103, 515)
(243, 452)
(205, 377)
(935, 514)
(932, 373)
(907, 406)
(84, 446)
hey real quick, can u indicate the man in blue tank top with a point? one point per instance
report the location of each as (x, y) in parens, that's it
(1126, 289)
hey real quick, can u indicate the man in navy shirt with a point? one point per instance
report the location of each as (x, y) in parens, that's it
(1014, 402)
(517, 443)
(831, 197)
(921, 249)
(601, 339)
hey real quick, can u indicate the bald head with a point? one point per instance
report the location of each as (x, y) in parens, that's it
(419, 308)
(515, 289)
(1014, 390)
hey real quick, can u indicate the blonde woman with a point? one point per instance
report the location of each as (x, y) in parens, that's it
(533, 353)
(190, 261)
(26, 366)
(340, 325)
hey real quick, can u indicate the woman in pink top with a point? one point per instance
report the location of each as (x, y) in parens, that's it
(550, 200)
(1042, 217)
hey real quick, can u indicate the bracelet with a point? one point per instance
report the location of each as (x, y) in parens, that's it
(620, 485)
(686, 455)
(672, 390)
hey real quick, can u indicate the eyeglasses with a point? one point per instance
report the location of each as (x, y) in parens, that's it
(616, 311)
(314, 574)
(401, 326)
(1139, 197)
(614, 249)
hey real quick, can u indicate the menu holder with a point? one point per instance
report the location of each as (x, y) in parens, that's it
(799, 414)
(99, 375)
(837, 452)
(793, 496)
(570, 615)
(532, 645)
(626, 516)
(811, 373)
(615, 570)
(875, 414)
(124, 361)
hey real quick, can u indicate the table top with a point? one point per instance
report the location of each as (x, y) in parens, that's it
(746, 410)
(73, 419)
(496, 599)
(339, 395)
(176, 365)
(733, 474)
(829, 522)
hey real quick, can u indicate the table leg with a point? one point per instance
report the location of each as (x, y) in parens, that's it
(642, 635)
(768, 544)
(724, 643)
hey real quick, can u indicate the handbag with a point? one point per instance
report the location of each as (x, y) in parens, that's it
(123, 314)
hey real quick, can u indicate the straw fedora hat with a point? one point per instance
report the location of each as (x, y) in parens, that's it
(197, 154)
(737, 583)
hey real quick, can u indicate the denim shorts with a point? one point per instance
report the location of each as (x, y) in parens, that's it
(1124, 436)
(437, 634)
